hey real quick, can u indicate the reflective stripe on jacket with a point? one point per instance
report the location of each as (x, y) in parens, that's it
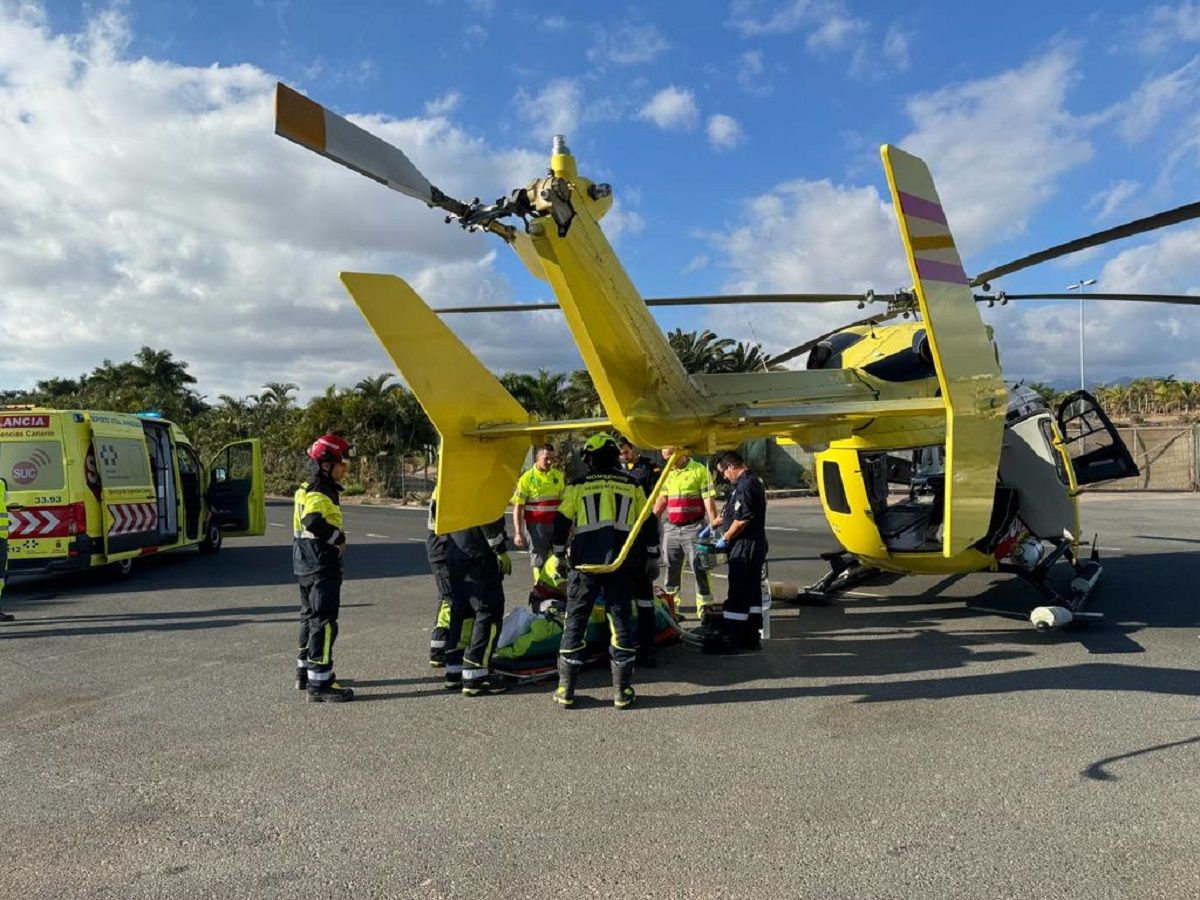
(686, 490)
(598, 513)
(317, 528)
(540, 493)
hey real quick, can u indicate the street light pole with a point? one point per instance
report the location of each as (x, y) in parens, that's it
(1079, 286)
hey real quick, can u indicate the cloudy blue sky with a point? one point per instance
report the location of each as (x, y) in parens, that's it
(145, 200)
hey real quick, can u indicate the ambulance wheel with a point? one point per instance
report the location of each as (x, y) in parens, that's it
(212, 539)
(122, 569)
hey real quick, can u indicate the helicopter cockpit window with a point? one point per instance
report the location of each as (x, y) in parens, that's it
(907, 490)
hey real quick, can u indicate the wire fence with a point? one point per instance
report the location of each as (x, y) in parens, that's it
(1166, 456)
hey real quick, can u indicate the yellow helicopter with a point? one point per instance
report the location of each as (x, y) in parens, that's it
(926, 461)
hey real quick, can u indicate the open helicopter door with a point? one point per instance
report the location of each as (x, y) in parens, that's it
(968, 366)
(1093, 445)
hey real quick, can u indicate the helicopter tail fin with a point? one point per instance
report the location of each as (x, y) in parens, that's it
(966, 359)
(476, 473)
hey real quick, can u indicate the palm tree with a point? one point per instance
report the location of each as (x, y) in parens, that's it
(278, 394)
(583, 401)
(747, 357)
(700, 352)
(375, 387)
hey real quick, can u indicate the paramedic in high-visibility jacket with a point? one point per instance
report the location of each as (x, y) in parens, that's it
(688, 496)
(535, 501)
(317, 561)
(4, 617)
(597, 514)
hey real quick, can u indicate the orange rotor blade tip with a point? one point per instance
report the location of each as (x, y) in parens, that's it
(299, 119)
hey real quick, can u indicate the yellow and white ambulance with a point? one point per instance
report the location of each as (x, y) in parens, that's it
(89, 488)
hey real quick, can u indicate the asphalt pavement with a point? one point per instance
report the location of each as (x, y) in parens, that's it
(893, 744)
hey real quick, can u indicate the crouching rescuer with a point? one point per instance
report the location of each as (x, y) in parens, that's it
(597, 515)
(474, 562)
(317, 561)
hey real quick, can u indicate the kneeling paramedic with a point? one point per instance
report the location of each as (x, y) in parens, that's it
(476, 561)
(317, 551)
(598, 514)
(742, 526)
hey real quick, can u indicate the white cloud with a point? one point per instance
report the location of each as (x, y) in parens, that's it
(752, 18)
(152, 202)
(622, 220)
(990, 187)
(696, 264)
(816, 236)
(628, 43)
(556, 109)
(443, 105)
(828, 27)
(836, 32)
(1113, 197)
(1138, 116)
(807, 236)
(1166, 25)
(895, 47)
(724, 132)
(672, 108)
(752, 74)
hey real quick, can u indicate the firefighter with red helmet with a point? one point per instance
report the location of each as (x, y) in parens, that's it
(317, 552)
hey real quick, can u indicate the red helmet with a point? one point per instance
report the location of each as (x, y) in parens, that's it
(330, 448)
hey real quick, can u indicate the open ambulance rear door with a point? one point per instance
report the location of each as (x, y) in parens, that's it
(236, 491)
(128, 504)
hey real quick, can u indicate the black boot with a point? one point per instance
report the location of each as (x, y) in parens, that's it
(623, 695)
(328, 692)
(564, 694)
(647, 656)
(6, 617)
(482, 687)
(301, 675)
(718, 643)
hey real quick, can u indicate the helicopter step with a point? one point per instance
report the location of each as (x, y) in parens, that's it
(845, 572)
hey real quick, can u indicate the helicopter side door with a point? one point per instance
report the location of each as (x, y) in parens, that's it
(1096, 451)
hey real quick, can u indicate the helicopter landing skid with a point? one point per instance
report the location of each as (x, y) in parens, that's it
(844, 573)
(1065, 608)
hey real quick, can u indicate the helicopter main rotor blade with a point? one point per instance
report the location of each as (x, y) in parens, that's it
(1181, 299)
(1129, 229)
(311, 125)
(716, 300)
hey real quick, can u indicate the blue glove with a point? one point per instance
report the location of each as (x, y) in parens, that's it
(705, 533)
(720, 544)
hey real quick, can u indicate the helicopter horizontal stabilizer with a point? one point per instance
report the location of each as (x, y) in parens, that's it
(460, 395)
(968, 366)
